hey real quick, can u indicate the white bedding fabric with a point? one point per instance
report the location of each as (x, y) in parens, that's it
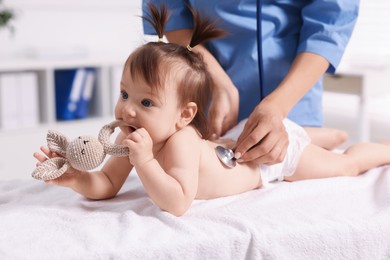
(336, 218)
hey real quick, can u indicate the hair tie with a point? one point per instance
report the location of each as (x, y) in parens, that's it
(189, 48)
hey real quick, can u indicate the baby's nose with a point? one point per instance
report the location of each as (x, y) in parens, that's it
(129, 110)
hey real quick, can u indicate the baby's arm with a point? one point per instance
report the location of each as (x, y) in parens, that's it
(172, 185)
(101, 184)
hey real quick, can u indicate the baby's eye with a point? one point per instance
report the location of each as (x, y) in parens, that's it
(146, 103)
(124, 95)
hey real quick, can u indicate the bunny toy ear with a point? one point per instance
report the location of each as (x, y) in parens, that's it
(104, 138)
(51, 169)
(57, 142)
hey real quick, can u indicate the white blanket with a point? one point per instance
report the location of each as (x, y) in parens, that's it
(336, 218)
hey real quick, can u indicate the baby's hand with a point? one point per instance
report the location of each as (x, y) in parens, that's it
(47, 154)
(140, 146)
(67, 179)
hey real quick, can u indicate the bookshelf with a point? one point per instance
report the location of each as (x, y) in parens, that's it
(18, 144)
(101, 105)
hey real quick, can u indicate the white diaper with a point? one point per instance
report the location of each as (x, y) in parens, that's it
(298, 140)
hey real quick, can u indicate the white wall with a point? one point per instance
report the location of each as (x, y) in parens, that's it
(73, 27)
(97, 26)
(368, 51)
(371, 36)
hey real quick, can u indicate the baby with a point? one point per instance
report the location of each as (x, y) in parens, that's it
(164, 93)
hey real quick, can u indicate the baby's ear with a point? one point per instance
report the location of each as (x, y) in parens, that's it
(57, 142)
(188, 113)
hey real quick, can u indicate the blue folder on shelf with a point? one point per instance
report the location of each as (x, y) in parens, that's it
(73, 90)
(82, 110)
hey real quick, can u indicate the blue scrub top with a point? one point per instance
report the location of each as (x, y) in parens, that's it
(265, 37)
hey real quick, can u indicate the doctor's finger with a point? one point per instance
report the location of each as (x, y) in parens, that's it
(274, 156)
(259, 151)
(249, 139)
(271, 150)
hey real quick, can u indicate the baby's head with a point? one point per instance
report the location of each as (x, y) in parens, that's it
(167, 67)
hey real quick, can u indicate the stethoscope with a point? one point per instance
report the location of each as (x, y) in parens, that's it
(226, 156)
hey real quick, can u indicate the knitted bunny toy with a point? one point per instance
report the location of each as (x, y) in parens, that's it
(84, 153)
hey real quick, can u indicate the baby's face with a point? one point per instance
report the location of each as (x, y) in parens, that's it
(140, 107)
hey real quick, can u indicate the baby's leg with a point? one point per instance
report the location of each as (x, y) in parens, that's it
(317, 162)
(328, 138)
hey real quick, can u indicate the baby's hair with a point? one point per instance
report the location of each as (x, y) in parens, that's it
(158, 18)
(156, 62)
(205, 29)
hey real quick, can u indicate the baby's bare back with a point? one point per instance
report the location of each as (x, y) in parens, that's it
(216, 180)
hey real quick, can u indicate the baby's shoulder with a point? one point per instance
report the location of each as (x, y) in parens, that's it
(185, 136)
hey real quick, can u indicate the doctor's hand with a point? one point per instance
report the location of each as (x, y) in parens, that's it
(223, 110)
(264, 139)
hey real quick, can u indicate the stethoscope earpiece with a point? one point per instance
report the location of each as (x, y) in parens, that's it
(226, 156)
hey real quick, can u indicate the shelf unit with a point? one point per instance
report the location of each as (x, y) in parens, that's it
(365, 77)
(18, 145)
(101, 105)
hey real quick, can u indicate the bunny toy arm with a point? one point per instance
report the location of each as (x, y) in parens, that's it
(104, 138)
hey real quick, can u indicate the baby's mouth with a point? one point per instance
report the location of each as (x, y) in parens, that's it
(131, 128)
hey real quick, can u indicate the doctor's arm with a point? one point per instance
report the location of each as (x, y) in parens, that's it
(264, 139)
(323, 39)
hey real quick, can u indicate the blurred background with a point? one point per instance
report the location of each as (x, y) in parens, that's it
(47, 38)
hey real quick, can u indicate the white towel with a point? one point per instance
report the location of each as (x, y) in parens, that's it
(335, 218)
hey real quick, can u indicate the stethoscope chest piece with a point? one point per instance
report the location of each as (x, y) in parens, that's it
(226, 156)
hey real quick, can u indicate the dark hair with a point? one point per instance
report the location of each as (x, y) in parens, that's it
(155, 61)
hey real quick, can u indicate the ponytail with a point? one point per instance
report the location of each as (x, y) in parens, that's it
(158, 18)
(205, 29)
